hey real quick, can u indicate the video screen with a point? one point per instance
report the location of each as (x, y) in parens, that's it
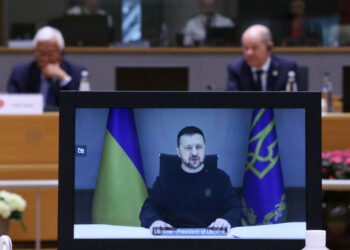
(189, 173)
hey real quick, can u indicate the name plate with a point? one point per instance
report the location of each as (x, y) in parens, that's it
(189, 232)
(21, 104)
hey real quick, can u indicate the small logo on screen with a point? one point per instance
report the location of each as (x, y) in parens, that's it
(80, 150)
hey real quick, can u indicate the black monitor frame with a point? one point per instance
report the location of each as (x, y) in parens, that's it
(70, 100)
(221, 36)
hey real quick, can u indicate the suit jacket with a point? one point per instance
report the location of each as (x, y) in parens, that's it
(240, 76)
(25, 78)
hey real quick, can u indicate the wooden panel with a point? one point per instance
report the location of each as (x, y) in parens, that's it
(186, 50)
(29, 150)
(28, 171)
(49, 211)
(49, 200)
(335, 131)
(337, 103)
(29, 139)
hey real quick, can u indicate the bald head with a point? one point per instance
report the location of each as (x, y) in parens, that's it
(256, 43)
(258, 31)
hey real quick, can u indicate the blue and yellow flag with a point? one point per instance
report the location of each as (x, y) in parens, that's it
(264, 199)
(120, 189)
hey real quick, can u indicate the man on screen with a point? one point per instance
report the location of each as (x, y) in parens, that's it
(194, 195)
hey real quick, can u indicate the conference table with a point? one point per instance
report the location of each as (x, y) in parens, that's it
(29, 151)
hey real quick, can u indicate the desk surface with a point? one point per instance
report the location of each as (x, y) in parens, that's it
(335, 131)
(185, 50)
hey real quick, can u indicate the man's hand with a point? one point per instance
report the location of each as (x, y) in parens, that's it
(54, 70)
(160, 224)
(220, 223)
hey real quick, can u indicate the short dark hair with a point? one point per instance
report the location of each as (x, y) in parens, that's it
(189, 130)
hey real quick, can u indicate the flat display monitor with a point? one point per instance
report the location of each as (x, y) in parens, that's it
(151, 78)
(250, 179)
(221, 36)
(346, 89)
(84, 30)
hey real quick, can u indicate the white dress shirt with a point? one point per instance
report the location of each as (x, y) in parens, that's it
(81, 10)
(195, 28)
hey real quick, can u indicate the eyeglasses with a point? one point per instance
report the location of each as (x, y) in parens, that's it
(49, 54)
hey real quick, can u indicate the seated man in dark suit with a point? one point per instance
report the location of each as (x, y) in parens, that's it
(49, 72)
(259, 70)
(194, 195)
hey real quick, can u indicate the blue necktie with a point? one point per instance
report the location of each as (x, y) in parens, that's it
(51, 97)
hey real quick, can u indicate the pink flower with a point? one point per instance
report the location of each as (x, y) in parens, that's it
(347, 161)
(338, 153)
(328, 154)
(336, 159)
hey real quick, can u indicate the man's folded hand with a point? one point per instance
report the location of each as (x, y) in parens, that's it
(221, 224)
(160, 224)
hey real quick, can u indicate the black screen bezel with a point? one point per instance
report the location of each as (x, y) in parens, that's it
(70, 100)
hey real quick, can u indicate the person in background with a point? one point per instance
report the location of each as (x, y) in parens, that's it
(194, 195)
(48, 73)
(297, 28)
(196, 28)
(90, 7)
(259, 70)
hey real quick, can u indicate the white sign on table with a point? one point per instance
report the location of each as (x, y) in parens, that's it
(21, 104)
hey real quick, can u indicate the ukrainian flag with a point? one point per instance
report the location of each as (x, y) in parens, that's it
(264, 199)
(120, 189)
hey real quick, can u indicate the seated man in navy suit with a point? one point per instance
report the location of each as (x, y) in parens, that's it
(259, 70)
(49, 72)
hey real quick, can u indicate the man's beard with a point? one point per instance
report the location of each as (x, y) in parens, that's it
(189, 165)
